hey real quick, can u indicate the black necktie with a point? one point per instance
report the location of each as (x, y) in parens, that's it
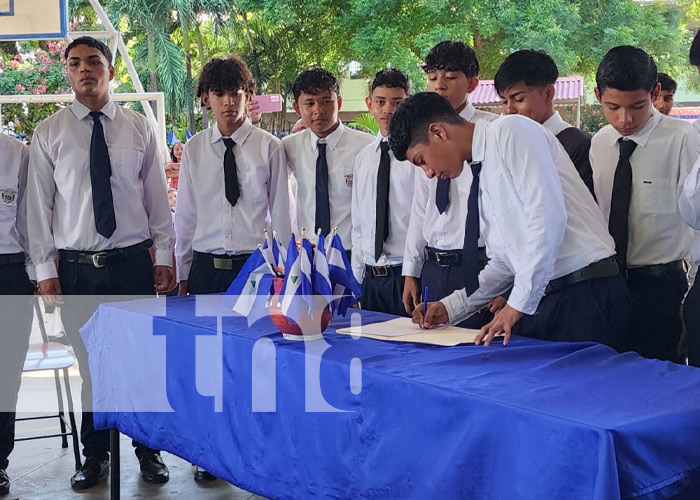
(323, 204)
(100, 172)
(620, 203)
(470, 253)
(442, 195)
(382, 214)
(230, 173)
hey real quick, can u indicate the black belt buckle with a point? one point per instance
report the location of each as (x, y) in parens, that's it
(446, 259)
(380, 271)
(99, 260)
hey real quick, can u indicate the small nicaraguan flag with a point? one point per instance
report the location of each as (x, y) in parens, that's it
(306, 258)
(342, 278)
(171, 138)
(278, 252)
(188, 135)
(295, 286)
(252, 287)
(320, 278)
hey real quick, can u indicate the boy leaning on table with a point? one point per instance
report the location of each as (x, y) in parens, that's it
(546, 236)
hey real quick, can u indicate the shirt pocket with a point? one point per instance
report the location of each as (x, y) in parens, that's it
(8, 192)
(126, 163)
(253, 184)
(657, 196)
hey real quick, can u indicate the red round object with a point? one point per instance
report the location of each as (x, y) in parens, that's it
(306, 327)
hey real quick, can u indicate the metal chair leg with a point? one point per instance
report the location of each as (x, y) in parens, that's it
(114, 473)
(61, 410)
(71, 416)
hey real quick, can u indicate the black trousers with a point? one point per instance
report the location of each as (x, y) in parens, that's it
(15, 327)
(383, 293)
(205, 278)
(655, 324)
(595, 310)
(691, 315)
(442, 281)
(84, 288)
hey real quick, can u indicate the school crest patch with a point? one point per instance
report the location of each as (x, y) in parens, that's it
(8, 195)
(348, 180)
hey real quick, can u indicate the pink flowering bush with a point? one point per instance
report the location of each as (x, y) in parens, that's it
(36, 72)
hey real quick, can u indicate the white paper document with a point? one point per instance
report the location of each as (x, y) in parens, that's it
(404, 330)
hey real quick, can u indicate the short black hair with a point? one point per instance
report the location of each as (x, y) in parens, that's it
(230, 74)
(90, 42)
(452, 56)
(314, 81)
(694, 54)
(626, 68)
(409, 125)
(392, 78)
(535, 68)
(667, 83)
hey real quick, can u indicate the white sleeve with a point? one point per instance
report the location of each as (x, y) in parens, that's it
(41, 189)
(415, 243)
(358, 267)
(527, 160)
(494, 280)
(278, 194)
(185, 219)
(689, 199)
(155, 201)
(21, 223)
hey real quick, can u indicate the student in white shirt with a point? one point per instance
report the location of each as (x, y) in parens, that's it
(433, 253)
(525, 83)
(689, 205)
(97, 199)
(321, 158)
(664, 102)
(233, 178)
(550, 243)
(16, 290)
(381, 203)
(640, 161)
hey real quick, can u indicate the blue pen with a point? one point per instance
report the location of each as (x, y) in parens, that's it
(425, 301)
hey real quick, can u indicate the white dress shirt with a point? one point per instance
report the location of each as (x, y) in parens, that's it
(364, 208)
(430, 228)
(539, 218)
(59, 191)
(555, 124)
(13, 200)
(660, 164)
(205, 221)
(343, 146)
(689, 205)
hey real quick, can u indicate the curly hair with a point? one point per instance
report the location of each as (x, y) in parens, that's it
(452, 56)
(230, 74)
(314, 81)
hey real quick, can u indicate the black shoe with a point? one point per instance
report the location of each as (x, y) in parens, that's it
(153, 470)
(4, 483)
(89, 474)
(201, 475)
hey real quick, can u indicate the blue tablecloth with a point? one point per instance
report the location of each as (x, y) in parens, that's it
(532, 420)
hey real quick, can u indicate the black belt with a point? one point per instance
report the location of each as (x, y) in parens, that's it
(105, 258)
(656, 269)
(601, 269)
(220, 261)
(383, 271)
(449, 257)
(12, 258)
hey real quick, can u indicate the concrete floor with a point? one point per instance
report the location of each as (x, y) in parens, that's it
(41, 469)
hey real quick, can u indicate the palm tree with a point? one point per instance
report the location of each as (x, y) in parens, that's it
(159, 55)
